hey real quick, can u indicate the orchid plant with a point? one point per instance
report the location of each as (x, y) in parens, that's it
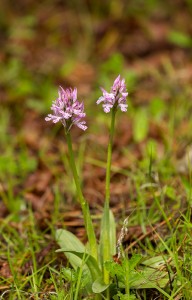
(94, 268)
(111, 102)
(69, 111)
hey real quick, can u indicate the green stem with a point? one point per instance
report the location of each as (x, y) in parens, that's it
(109, 155)
(127, 289)
(82, 201)
(106, 249)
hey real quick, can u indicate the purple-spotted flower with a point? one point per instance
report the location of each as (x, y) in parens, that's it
(67, 110)
(116, 97)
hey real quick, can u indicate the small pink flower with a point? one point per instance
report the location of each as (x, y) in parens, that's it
(67, 110)
(116, 97)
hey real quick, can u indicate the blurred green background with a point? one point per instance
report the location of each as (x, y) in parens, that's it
(86, 44)
(46, 43)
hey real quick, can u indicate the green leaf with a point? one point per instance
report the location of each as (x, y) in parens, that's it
(76, 254)
(180, 39)
(72, 276)
(142, 276)
(134, 260)
(157, 108)
(151, 276)
(154, 262)
(99, 286)
(86, 259)
(113, 267)
(111, 228)
(112, 232)
(121, 296)
(68, 274)
(69, 242)
(140, 125)
(114, 64)
(169, 191)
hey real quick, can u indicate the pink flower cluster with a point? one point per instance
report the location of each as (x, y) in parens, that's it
(116, 97)
(67, 110)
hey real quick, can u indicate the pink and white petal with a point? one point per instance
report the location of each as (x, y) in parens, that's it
(107, 107)
(103, 90)
(48, 119)
(123, 107)
(81, 125)
(124, 94)
(56, 119)
(66, 115)
(116, 81)
(74, 94)
(101, 99)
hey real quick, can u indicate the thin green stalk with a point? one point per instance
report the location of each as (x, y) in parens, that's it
(127, 288)
(83, 202)
(77, 288)
(106, 237)
(14, 274)
(109, 155)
